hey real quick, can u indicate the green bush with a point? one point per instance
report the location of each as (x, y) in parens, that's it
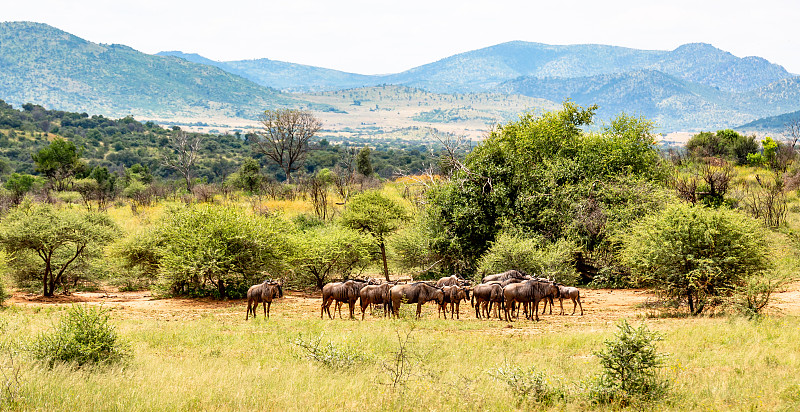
(3, 293)
(528, 384)
(694, 254)
(83, 336)
(335, 357)
(532, 256)
(630, 367)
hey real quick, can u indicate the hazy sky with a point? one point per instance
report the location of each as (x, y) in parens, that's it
(374, 36)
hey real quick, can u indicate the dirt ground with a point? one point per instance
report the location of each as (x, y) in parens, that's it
(601, 306)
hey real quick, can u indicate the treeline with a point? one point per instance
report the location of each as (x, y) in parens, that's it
(539, 194)
(118, 144)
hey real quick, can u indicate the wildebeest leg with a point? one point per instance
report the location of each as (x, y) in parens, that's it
(363, 309)
(352, 304)
(561, 302)
(581, 304)
(458, 311)
(248, 310)
(264, 304)
(535, 307)
(419, 309)
(269, 304)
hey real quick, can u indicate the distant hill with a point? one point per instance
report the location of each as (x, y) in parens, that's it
(289, 77)
(484, 69)
(772, 124)
(43, 65)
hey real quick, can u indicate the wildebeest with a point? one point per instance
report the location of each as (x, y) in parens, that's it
(484, 295)
(347, 291)
(572, 293)
(531, 291)
(509, 274)
(451, 281)
(454, 295)
(262, 293)
(419, 293)
(375, 294)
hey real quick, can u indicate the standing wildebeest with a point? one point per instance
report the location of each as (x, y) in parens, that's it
(375, 294)
(484, 295)
(509, 274)
(419, 293)
(531, 291)
(346, 291)
(262, 293)
(569, 292)
(453, 295)
(452, 281)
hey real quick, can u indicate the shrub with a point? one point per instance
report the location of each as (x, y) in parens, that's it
(527, 384)
(695, 254)
(3, 293)
(336, 357)
(511, 251)
(83, 336)
(630, 367)
(753, 295)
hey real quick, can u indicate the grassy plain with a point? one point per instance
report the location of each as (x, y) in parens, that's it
(203, 355)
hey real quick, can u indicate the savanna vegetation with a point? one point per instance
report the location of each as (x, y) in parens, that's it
(709, 230)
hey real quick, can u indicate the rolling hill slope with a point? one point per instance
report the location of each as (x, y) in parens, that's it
(43, 65)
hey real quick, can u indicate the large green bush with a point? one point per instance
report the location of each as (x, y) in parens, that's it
(544, 175)
(538, 258)
(695, 254)
(83, 336)
(211, 250)
(325, 252)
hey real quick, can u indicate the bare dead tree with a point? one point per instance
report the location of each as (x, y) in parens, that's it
(767, 202)
(285, 137)
(344, 173)
(793, 132)
(711, 180)
(182, 154)
(452, 145)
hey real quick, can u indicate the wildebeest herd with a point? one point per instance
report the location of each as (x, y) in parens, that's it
(506, 292)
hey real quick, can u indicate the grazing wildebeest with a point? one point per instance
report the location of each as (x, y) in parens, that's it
(419, 293)
(347, 291)
(531, 291)
(262, 293)
(374, 295)
(484, 295)
(509, 274)
(569, 292)
(454, 295)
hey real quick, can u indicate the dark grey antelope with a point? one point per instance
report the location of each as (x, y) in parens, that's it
(262, 293)
(484, 295)
(532, 291)
(453, 295)
(375, 295)
(509, 274)
(419, 293)
(341, 292)
(572, 293)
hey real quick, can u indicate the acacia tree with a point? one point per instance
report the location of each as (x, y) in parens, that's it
(327, 251)
(57, 236)
(693, 254)
(182, 154)
(285, 137)
(375, 214)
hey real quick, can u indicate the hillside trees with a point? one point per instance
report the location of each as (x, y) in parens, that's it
(285, 137)
(543, 176)
(694, 254)
(59, 162)
(56, 236)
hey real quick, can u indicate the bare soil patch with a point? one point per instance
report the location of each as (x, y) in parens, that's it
(601, 307)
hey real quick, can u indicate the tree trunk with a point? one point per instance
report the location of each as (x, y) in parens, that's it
(385, 266)
(221, 288)
(691, 302)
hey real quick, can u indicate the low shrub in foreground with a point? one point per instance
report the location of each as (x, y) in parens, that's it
(83, 336)
(630, 367)
(528, 384)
